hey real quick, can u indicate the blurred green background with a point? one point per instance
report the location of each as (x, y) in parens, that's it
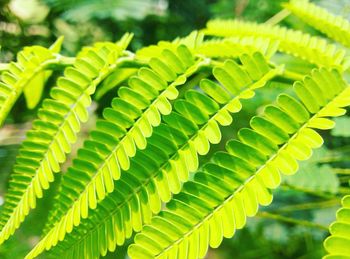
(292, 227)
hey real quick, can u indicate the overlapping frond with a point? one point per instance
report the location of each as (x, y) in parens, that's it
(235, 46)
(125, 128)
(191, 41)
(234, 183)
(334, 26)
(171, 154)
(145, 150)
(53, 133)
(27, 74)
(297, 43)
(338, 244)
(230, 47)
(146, 99)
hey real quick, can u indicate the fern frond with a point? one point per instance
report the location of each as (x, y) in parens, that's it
(235, 46)
(338, 244)
(232, 186)
(127, 124)
(228, 48)
(334, 26)
(28, 74)
(297, 43)
(191, 41)
(171, 154)
(53, 133)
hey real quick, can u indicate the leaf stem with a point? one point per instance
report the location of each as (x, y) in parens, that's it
(292, 75)
(193, 82)
(307, 191)
(277, 18)
(264, 214)
(308, 206)
(342, 171)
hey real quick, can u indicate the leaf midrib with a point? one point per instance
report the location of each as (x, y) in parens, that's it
(230, 197)
(94, 83)
(136, 191)
(174, 83)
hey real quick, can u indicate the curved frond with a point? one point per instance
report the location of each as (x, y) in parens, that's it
(191, 41)
(28, 74)
(338, 244)
(228, 48)
(53, 133)
(125, 128)
(297, 43)
(334, 26)
(171, 154)
(232, 186)
(235, 46)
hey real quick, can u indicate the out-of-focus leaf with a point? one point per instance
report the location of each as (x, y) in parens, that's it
(313, 176)
(342, 128)
(84, 10)
(30, 11)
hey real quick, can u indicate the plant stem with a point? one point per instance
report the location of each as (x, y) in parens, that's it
(344, 171)
(345, 148)
(292, 75)
(133, 64)
(344, 190)
(277, 18)
(60, 62)
(264, 214)
(308, 206)
(331, 159)
(193, 82)
(214, 63)
(344, 178)
(310, 192)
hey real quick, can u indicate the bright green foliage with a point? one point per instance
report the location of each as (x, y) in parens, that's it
(170, 156)
(28, 74)
(338, 244)
(231, 187)
(146, 151)
(126, 126)
(335, 26)
(234, 47)
(192, 42)
(231, 47)
(54, 132)
(297, 43)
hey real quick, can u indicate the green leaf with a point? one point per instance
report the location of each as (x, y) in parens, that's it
(203, 201)
(337, 245)
(334, 26)
(28, 75)
(158, 171)
(297, 43)
(342, 127)
(50, 139)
